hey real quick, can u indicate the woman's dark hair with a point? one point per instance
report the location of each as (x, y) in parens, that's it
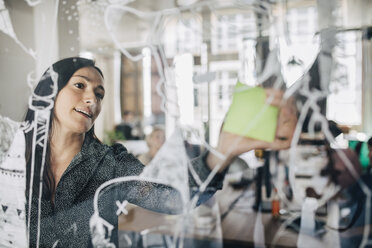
(60, 71)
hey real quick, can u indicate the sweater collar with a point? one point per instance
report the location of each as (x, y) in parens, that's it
(91, 150)
(80, 170)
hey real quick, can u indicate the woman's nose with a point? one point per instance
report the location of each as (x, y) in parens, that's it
(90, 98)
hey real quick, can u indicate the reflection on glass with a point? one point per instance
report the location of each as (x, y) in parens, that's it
(179, 63)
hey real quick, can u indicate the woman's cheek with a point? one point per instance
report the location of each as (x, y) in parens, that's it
(98, 111)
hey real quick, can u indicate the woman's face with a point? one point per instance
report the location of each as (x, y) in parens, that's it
(157, 139)
(79, 103)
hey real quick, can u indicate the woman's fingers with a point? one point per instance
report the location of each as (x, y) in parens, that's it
(274, 96)
(286, 124)
(232, 145)
(287, 121)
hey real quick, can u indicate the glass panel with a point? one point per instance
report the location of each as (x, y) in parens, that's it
(182, 75)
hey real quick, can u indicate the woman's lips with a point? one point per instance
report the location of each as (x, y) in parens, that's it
(84, 113)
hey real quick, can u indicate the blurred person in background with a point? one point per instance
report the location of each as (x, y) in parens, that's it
(154, 142)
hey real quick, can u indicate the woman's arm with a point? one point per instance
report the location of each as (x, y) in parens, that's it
(229, 145)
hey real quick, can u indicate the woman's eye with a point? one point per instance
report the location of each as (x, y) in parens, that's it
(79, 85)
(99, 96)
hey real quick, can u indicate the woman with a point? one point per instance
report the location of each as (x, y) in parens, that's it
(77, 163)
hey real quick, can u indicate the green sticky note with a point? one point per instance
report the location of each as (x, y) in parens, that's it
(249, 114)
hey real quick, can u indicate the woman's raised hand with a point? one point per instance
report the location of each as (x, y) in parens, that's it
(232, 145)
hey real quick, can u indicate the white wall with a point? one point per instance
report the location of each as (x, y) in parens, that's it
(43, 28)
(15, 63)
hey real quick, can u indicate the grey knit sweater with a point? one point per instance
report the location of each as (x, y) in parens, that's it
(66, 223)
